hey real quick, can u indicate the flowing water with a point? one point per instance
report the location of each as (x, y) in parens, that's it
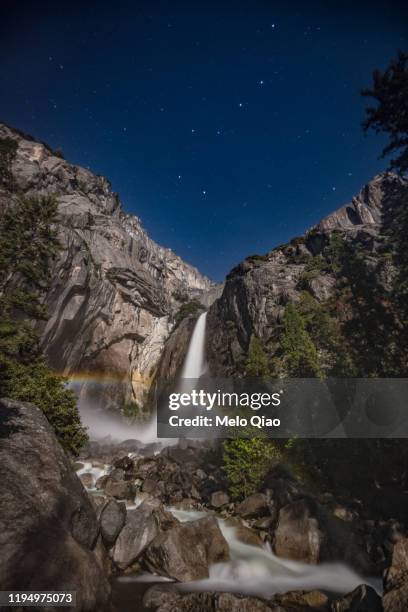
(254, 570)
(251, 570)
(194, 364)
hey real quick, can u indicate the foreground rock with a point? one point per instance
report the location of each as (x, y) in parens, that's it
(166, 598)
(306, 532)
(396, 579)
(362, 599)
(142, 526)
(49, 534)
(186, 551)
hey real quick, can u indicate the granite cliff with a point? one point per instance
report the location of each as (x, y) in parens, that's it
(258, 290)
(115, 292)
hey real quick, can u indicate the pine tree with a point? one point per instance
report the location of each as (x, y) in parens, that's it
(300, 354)
(28, 244)
(257, 363)
(390, 91)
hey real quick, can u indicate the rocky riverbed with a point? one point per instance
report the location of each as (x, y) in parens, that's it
(166, 517)
(154, 528)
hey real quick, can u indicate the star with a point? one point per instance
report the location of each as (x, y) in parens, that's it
(204, 192)
(193, 131)
(261, 82)
(240, 105)
(333, 188)
(273, 26)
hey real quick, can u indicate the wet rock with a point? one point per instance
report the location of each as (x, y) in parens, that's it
(152, 487)
(117, 474)
(306, 532)
(142, 525)
(87, 480)
(48, 525)
(120, 490)
(186, 550)
(112, 519)
(363, 599)
(243, 533)
(264, 523)
(297, 535)
(219, 499)
(302, 600)
(227, 602)
(101, 482)
(124, 463)
(160, 595)
(253, 506)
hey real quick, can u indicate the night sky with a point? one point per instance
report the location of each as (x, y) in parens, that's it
(228, 127)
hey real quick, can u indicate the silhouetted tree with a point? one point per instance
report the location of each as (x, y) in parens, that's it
(390, 91)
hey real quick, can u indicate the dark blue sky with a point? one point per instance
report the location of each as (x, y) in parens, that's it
(228, 127)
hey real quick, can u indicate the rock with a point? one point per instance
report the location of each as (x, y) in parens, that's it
(142, 525)
(120, 490)
(395, 598)
(302, 600)
(112, 519)
(243, 533)
(114, 291)
(363, 599)
(297, 535)
(264, 523)
(307, 532)
(253, 506)
(117, 474)
(152, 487)
(186, 550)
(48, 525)
(87, 480)
(219, 499)
(165, 598)
(125, 463)
(101, 482)
(159, 595)
(257, 291)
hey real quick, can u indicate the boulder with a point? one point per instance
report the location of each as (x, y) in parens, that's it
(363, 599)
(166, 598)
(186, 550)
(124, 463)
(302, 600)
(307, 532)
(253, 506)
(112, 519)
(219, 499)
(395, 598)
(48, 525)
(87, 480)
(142, 525)
(297, 535)
(120, 490)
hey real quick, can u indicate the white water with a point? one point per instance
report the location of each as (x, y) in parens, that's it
(257, 571)
(194, 364)
(96, 472)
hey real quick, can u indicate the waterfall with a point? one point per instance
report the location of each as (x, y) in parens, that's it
(194, 364)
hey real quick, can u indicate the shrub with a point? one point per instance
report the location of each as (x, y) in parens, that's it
(246, 463)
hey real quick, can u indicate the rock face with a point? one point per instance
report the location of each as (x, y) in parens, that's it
(114, 291)
(396, 579)
(257, 291)
(48, 527)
